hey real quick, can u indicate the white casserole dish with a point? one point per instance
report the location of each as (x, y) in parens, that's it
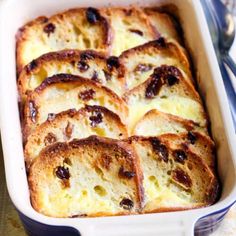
(13, 14)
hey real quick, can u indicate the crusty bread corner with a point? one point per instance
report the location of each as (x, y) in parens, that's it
(71, 124)
(174, 179)
(140, 61)
(64, 91)
(163, 23)
(86, 63)
(168, 92)
(112, 121)
(84, 28)
(87, 177)
(131, 27)
(155, 123)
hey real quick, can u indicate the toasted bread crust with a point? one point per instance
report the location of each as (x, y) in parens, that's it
(75, 82)
(112, 121)
(185, 88)
(24, 34)
(55, 154)
(61, 127)
(158, 48)
(157, 116)
(157, 87)
(211, 190)
(70, 59)
(136, 28)
(163, 23)
(203, 145)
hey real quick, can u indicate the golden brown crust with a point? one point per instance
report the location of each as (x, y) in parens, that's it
(24, 33)
(34, 100)
(167, 84)
(196, 142)
(55, 154)
(208, 181)
(161, 47)
(70, 59)
(170, 123)
(65, 126)
(164, 23)
(131, 25)
(155, 114)
(183, 87)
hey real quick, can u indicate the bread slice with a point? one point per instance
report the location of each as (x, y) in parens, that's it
(155, 123)
(174, 179)
(62, 92)
(71, 124)
(201, 145)
(178, 132)
(168, 92)
(140, 61)
(131, 27)
(88, 64)
(84, 28)
(87, 177)
(164, 24)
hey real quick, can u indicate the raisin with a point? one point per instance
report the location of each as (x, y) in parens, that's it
(143, 67)
(107, 75)
(49, 139)
(153, 87)
(51, 116)
(87, 95)
(170, 74)
(82, 66)
(85, 56)
(182, 177)
(126, 174)
(191, 137)
(96, 119)
(180, 156)
(95, 77)
(31, 66)
(127, 204)
(161, 42)
(49, 28)
(171, 80)
(62, 172)
(92, 15)
(33, 111)
(136, 31)
(68, 130)
(113, 62)
(160, 149)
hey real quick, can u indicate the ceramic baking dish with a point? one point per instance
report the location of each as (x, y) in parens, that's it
(13, 14)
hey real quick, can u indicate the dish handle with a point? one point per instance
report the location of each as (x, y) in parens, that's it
(164, 226)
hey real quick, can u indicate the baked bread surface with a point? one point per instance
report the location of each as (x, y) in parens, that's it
(86, 177)
(112, 120)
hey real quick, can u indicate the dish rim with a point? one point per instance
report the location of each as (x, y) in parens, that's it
(194, 214)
